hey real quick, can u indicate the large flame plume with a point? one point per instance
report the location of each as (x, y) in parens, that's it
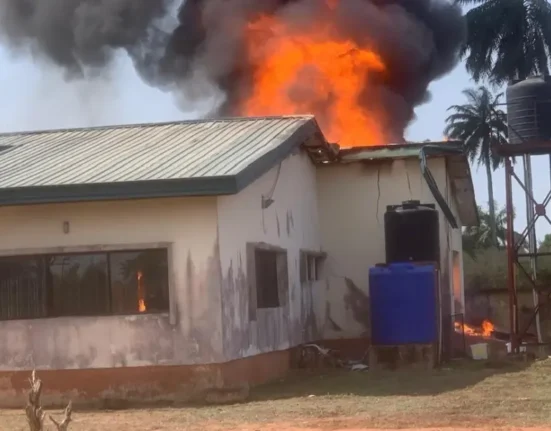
(360, 66)
(312, 69)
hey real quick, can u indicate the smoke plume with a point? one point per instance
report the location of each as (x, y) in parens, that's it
(418, 41)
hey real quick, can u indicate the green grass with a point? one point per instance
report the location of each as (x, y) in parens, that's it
(465, 394)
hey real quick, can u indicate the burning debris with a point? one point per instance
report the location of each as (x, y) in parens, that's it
(360, 66)
(486, 330)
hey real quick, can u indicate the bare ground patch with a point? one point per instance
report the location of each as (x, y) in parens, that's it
(467, 395)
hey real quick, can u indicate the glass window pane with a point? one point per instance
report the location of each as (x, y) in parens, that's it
(139, 281)
(77, 285)
(22, 288)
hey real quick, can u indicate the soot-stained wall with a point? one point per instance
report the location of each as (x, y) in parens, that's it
(290, 223)
(352, 202)
(189, 334)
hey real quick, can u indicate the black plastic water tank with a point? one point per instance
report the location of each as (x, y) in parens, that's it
(412, 233)
(529, 110)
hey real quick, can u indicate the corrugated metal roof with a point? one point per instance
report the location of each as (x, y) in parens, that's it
(188, 149)
(199, 158)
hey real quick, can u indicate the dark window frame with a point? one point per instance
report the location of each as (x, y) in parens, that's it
(107, 253)
(311, 265)
(282, 278)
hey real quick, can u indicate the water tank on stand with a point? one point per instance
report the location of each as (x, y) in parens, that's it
(529, 110)
(412, 233)
(404, 304)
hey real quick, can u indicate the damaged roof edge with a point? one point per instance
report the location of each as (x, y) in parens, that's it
(450, 150)
(203, 186)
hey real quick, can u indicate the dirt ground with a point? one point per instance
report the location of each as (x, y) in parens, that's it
(465, 396)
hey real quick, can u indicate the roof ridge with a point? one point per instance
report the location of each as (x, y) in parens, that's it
(153, 124)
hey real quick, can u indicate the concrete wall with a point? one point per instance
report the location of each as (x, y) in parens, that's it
(352, 203)
(190, 334)
(291, 223)
(338, 209)
(455, 257)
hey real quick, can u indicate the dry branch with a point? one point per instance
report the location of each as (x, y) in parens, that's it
(67, 418)
(35, 413)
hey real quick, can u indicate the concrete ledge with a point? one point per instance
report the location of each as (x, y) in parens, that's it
(126, 386)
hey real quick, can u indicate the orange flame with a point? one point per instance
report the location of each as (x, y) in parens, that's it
(141, 301)
(485, 330)
(312, 70)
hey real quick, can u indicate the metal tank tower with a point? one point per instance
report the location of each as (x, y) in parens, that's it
(529, 119)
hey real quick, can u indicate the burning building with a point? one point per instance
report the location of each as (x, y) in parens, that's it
(359, 66)
(157, 261)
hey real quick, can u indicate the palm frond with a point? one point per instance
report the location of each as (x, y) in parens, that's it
(507, 39)
(480, 124)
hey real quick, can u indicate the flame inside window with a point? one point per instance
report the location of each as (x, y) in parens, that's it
(141, 293)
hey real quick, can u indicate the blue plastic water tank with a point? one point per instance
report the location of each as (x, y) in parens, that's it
(403, 304)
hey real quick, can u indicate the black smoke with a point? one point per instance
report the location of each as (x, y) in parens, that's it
(419, 41)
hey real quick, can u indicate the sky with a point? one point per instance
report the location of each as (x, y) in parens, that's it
(34, 96)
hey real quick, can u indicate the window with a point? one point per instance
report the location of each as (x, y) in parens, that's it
(311, 266)
(120, 282)
(271, 277)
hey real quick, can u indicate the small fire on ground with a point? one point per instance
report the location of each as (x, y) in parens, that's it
(485, 330)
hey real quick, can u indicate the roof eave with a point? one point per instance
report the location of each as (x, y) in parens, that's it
(308, 136)
(459, 172)
(207, 186)
(460, 177)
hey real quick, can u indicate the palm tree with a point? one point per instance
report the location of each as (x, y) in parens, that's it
(481, 125)
(507, 39)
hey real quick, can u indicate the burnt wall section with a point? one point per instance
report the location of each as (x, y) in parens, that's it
(352, 202)
(287, 226)
(190, 333)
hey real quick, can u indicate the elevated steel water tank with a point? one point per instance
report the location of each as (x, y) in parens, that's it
(404, 304)
(529, 110)
(412, 233)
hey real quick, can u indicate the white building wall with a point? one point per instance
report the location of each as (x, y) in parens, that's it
(338, 209)
(456, 261)
(189, 334)
(291, 222)
(352, 203)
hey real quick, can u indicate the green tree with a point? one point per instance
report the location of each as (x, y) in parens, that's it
(507, 39)
(480, 237)
(481, 125)
(545, 245)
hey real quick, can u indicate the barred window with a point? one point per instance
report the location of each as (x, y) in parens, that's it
(84, 284)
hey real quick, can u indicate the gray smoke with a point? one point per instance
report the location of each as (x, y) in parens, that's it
(82, 35)
(419, 41)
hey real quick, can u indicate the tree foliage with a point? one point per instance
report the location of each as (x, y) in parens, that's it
(481, 125)
(476, 238)
(507, 39)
